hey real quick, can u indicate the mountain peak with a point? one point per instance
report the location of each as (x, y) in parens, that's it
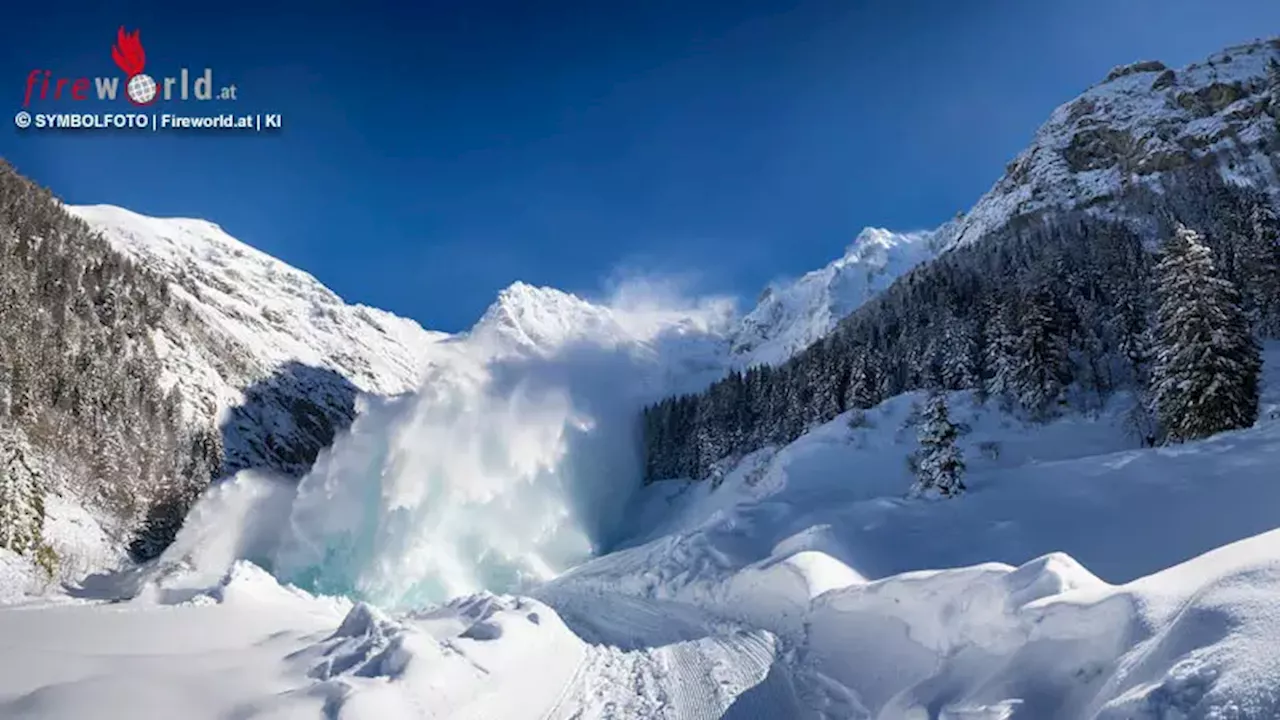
(246, 317)
(792, 315)
(1141, 123)
(531, 317)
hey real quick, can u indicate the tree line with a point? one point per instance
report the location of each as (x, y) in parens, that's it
(1051, 311)
(80, 380)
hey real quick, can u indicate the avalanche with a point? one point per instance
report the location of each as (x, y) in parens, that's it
(512, 462)
(795, 589)
(477, 547)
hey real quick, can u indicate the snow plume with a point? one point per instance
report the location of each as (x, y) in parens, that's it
(238, 519)
(512, 462)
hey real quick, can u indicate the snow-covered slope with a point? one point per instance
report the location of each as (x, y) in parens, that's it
(1142, 122)
(1096, 581)
(1089, 578)
(263, 347)
(791, 316)
(276, 358)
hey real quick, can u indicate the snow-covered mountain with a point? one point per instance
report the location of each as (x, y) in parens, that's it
(276, 358)
(793, 315)
(263, 348)
(529, 319)
(1142, 122)
(1090, 577)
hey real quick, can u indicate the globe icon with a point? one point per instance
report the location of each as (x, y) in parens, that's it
(141, 89)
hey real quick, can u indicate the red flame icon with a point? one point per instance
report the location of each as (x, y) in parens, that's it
(129, 55)
(128, 52)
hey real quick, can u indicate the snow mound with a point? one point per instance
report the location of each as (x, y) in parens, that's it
(452, 660)
(1186, 642)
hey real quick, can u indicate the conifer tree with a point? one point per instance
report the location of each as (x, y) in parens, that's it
(960, 360)
(1205, 377)
(21, 496)
(1000, 349)
(1042, 370)
(1273, 80)
(939, 464)
(1261, 261)
(861, 390)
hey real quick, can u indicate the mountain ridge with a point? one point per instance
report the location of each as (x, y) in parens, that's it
(271, 339)
(258, 347)
(1142, 122)
(276, 358)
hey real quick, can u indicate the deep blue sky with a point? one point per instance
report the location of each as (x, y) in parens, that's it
(433, 155)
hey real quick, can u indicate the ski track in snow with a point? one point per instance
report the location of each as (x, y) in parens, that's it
(681, 663)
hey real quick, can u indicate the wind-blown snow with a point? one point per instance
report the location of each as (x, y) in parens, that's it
(511, 463)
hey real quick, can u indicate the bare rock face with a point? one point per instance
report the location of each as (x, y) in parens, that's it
(1144, 121)
(1144, 66)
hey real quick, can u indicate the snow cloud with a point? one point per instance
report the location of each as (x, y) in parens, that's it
(515, 458)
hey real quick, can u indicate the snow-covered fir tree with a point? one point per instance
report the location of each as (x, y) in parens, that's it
(861, 390)
(1205, 377)
(1000, 350)
(1040, 377)
(1261, 270)
(939, 463)
(1273, 81)
(21, 495)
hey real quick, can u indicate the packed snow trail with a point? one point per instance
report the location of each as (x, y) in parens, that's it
(681, 662)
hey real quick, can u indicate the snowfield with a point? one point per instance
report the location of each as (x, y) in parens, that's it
(1091, 579)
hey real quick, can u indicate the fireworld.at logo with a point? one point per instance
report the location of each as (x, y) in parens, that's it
(140, 88)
